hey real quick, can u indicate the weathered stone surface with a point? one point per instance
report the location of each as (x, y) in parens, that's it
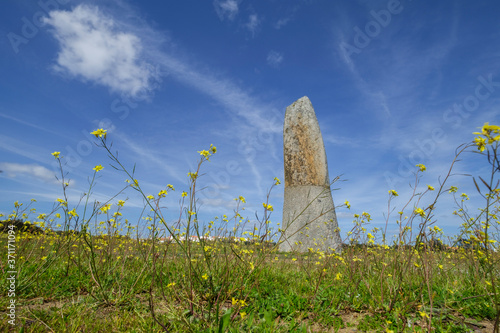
(309, 218)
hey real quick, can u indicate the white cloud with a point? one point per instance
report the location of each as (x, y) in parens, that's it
(251, 116)
(226, 9)
(253, 23)
(282, 22)
(94, 49)
(215, 205)
(13, 170)
(274, 58)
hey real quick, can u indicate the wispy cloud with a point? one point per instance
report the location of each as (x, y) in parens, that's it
(287, 18)
(226, 9)
(209, 204)
(274, 58)
(282, 22)
(92, 48)
(253, 23)
(147, 156)
(224, 91)
(13, 170)
(21, 148)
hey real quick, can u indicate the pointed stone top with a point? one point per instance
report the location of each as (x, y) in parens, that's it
(304, 151)
(303, 101)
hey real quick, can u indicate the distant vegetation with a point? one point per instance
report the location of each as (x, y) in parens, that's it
(20, 225)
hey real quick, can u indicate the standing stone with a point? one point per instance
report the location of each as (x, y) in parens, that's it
(309, 219)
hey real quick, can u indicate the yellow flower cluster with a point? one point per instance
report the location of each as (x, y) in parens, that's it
(99, 133)
(105, 208)
(241, 199)
(421, 167)
(491, 134)
(239, 302)
(419, 211)
(207, 153)
(268, 206)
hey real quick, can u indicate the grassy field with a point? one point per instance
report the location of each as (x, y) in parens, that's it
(244, 288)
(86, 269)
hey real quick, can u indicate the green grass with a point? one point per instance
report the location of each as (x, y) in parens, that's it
(317, 293)
(104, 278)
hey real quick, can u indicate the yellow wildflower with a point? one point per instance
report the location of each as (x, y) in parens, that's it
(487, 131)
(62, 202)
(56, 154)
(480, 143)
(268, 207)
(98, 168)
(421, 167)
(419, 211)
(99, 133)
(72, 213)
(105, 208)
(204, 153)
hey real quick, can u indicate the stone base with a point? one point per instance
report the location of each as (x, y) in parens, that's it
(309, 220)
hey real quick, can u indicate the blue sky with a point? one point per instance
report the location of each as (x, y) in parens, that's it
(393, 84)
